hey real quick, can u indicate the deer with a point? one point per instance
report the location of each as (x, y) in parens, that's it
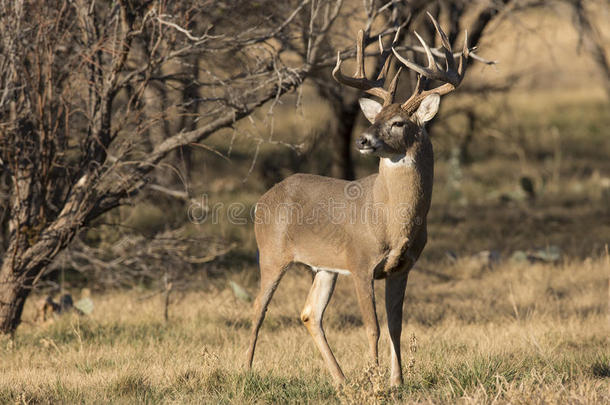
(388, 232)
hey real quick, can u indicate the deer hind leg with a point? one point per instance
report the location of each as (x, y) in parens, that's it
(394, 297)
(312, 314)
(270, 278)
(366, 301)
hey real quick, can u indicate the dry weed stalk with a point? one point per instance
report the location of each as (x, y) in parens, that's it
(369, 387)
(411, 360)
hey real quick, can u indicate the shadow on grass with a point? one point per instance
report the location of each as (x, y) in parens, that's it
(251, 387)
(601, 366)
(69, 330)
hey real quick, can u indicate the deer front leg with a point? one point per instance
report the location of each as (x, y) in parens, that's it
(394, 296)
(366, 300)
(398, 257)
(312, 314)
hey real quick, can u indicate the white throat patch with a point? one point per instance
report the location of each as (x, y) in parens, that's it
(405, 160)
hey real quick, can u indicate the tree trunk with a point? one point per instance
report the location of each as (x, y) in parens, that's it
(12, 298)
(33, 247)
(341, 141)
(345, 113)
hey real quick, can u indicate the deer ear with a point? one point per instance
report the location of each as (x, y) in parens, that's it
(370, 108)
(428, 108)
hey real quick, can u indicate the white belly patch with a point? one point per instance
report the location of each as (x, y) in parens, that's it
(338, 271)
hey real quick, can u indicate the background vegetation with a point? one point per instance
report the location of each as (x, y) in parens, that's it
(509, 302)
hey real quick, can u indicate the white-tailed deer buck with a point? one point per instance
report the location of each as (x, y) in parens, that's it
(373, 228)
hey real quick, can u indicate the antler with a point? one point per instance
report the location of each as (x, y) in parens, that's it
(359, 81)
(433, 71)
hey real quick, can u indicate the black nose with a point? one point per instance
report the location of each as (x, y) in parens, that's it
(362, 142)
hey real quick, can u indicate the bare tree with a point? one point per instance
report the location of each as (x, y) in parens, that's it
(73, 75)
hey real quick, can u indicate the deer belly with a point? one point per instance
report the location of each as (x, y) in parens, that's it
(338, 271)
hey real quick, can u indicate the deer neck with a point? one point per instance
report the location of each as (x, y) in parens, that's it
(404, 186)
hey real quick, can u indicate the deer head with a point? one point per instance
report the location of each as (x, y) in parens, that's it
(395, 127)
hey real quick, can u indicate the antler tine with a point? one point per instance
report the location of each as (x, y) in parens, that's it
(360, 56)
(419, 87)
(359, 81)
(386, 62)
(465, 54)
(444, 42)
(431, 61)
(394, 84)
(387, 55)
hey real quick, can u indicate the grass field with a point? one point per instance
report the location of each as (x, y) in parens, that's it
(518, 332)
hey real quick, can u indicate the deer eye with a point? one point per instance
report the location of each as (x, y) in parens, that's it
(398, 124)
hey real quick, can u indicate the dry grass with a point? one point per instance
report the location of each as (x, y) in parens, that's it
(518, 333)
